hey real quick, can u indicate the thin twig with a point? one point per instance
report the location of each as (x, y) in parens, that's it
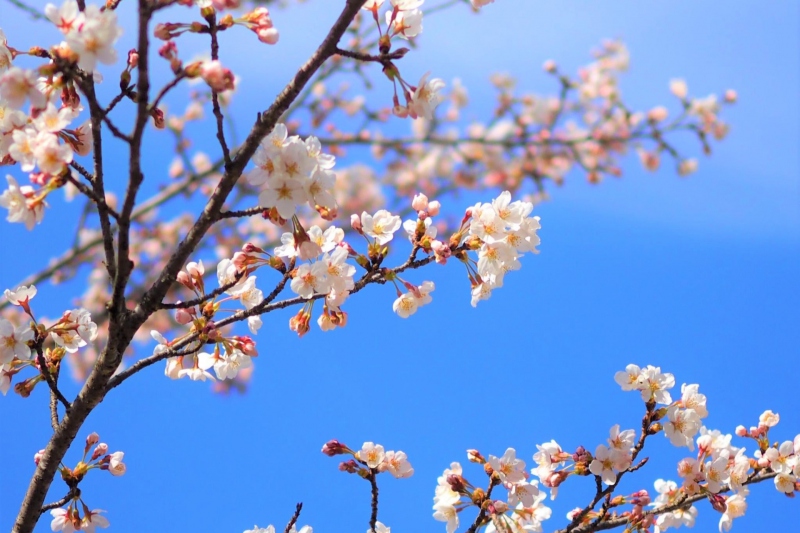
(93, 197)
(294, 518)
(373, 517)
(48, 377)
(223, 144)
(60, 503)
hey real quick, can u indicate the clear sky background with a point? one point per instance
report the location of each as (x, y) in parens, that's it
(696, 275)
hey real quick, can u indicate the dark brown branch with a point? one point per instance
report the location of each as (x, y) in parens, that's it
(373, 517)
(242, 213)
(124, 324)
(622, 521)
(167, 88)
(91, 195)
(60, 503)
(98, 186)
(479, 520)
(265, 123)
(144, 208)
(294, 518)
(135, 176)
(223, 144)
(201, 299)
(51, 382)
(601, 493)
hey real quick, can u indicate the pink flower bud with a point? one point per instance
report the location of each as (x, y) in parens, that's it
(216, 76)
(420, 202)
(348, 466)
(182, 316)
(133, 59)
(550, 66)
(679, 88)
(718, 502)
(741, 431)
(220, 5)
(38, 457)
(92, 439)
(657, 114)
(731, 96)
(247, 345)
(687, 166)
(99, 450)
(268, 35)
(474, 456)
(500, 507)
(355, 223)
(456, 483)
(434, 207)
(185, 280)
(334, 447)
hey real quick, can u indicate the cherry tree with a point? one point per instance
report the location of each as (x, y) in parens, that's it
(318, 203)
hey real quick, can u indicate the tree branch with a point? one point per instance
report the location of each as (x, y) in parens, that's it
(294, 518)
(264, 124)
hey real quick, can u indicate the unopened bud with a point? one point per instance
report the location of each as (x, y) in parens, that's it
(351, 467)
(183, 316)
(100, 450)
(718, 502)
(456, 483)
(133, 59)
(92, 439)
(474, 456)
(355, 223)
(420, 202)
(334, 447)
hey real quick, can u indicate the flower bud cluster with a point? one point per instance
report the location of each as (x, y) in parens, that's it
(19, 343)
(370, 460)
(70, 519)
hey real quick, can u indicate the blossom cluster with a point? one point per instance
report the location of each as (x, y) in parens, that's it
(501, 231)
(521, 510)
(90, 33)
(369, 461)
(718, 467)
(69, 519)
(41, 139)
(271, 529)
(316, 264)
(74, 330)
(292, 172)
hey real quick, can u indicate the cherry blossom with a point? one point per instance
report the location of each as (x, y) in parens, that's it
(372, 454)
(681, 425)
(20, 207)
(380, 226)
(426, 97)
(21, 296)
(14, 342)
(397, 464)
(735, 507)
(5, 54)
(18, 85)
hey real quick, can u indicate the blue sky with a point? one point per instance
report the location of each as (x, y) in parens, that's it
(697, 275)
